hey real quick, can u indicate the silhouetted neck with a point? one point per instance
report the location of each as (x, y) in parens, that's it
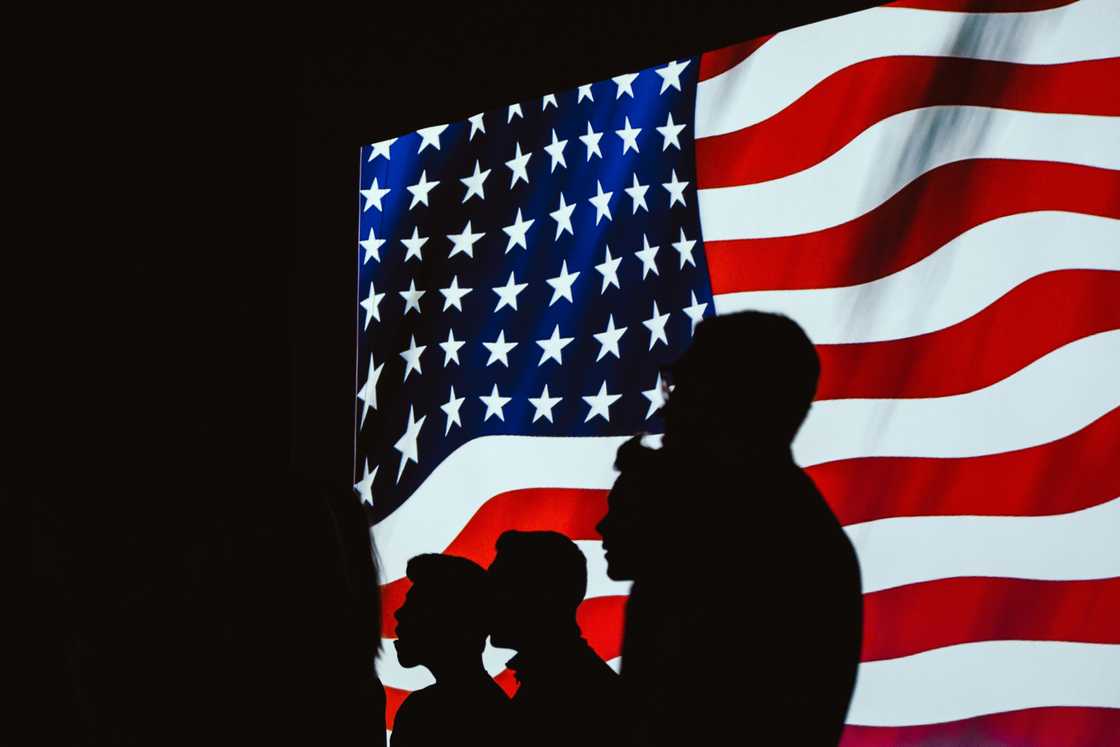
(464, 669)
(547, 653)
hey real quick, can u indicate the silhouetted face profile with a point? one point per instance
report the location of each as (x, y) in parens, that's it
(625, 527)
(751, 375)
(538, 580)
(443, 616)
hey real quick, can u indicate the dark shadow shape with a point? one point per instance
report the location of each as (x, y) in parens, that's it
(566, 694)
(744, 624)
(442, 625)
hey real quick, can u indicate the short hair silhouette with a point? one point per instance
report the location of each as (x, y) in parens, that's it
(442, 625)
(625, 527)
(752, 372)
(538, 578)
(445, 608)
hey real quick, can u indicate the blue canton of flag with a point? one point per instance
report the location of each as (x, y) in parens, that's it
(527, 271)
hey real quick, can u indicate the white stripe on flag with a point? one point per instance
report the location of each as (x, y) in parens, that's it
(893, 152)
(948, 286)
(794, 61)
(973, 679)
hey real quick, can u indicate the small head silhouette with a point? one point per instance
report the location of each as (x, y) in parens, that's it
(538, 580)
(752, 374)
(444, 613)
(625, 527)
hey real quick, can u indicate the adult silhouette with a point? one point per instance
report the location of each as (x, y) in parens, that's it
(442, 625)
(566, 694)
(746, 624)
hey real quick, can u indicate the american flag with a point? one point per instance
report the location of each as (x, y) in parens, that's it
(931, 189)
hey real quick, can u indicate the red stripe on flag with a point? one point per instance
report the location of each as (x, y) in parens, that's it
(981, 6)
(850, 100)
(1012, 332)
(1069, 474)
(721, 60)
(916, 221)
(918, 617)
(1039, 727)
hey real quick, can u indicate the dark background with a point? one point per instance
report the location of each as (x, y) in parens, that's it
(193, 344)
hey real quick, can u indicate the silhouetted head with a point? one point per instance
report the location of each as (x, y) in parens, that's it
(626, 527)
(444, 614)
(538, 580)
(750, 375)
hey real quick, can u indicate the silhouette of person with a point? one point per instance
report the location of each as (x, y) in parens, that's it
(566, 694)
(442, 625)
(747, 625)
(625, 528)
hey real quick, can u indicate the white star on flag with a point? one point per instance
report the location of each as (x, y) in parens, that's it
(563, 217)
(474, 182)
(637, 193)
(647, 254)
(463, 243)
(451, 408)
(381, 149)
(421, 189)
(656, 326)
(684, 248)
(406, 444)
(543, 405)
(608, 268)
(412, 358)
(413, 244)
(552, 346)
(453, 294)
(371, 303)
(411, 298)
(629, 137)
(562, 284)
(476, 125)
(671, 75)
(499, 349)
(671, 132)
(608, 339)
(514, 111)
(507, 294)
(601, 201)
(372, 245)
(451, 348)
(364, 487)
(494, 403)
(695, 311)
(368, 393)
(656, 397)
(625, 84)
(430, 136)
(374, 194)
(601, 404)
(555, 151)
(591, 140)
(585, 93)
(518, 165)
(517, 232)
(676, 189)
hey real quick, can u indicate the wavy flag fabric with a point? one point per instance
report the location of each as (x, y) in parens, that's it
(932, 190)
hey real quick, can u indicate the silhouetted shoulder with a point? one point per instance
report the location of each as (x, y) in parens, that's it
(443, 714)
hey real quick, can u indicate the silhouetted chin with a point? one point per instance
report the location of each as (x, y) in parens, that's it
(617, 571)
(405, 654)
